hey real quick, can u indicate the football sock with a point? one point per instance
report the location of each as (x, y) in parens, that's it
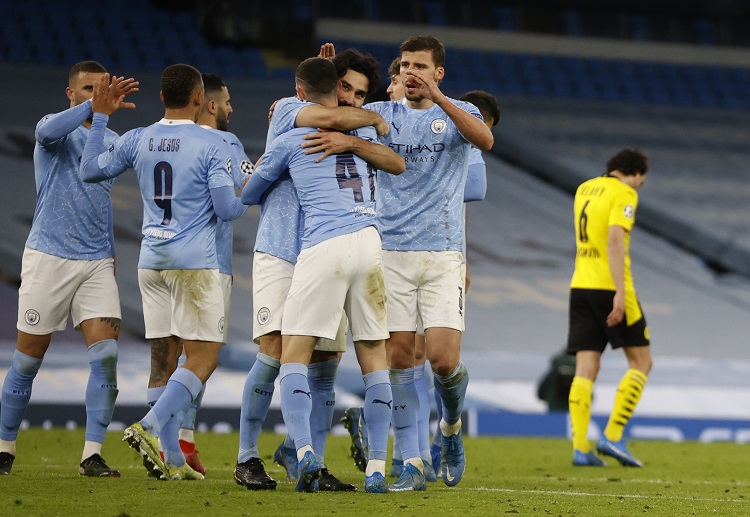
(579, 405)
(423, 414)
(321, 377)
(452, 390)
(186, 417)
(296, 403)
(101, 390)
(436, 438)
(405, 406)
(626, 399)
(256, 399)
(378, 409)
(183, 386)
(16, 393)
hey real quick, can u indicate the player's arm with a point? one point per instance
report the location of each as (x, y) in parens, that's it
(96, 163)
(53, 127)
(616, 255)
(227, 206)
(476, 183)
(471, 128)
(341, 118)
(268, 169)
(467, 280)
(333, 142)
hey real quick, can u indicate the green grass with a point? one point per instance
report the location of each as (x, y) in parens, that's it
(505, 476)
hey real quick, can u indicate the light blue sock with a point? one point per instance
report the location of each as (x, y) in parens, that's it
(256, 399)
(436, 438)
(101, 390)
(296, 402)
(186, 417)
(183, 386)
(321, 378)
(16, 393)
(378, 410)
(452, 390)
(405, 407)
(423, 414)
(153, 394)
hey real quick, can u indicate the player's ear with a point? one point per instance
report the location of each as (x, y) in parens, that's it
(161, 95)
(300, 92)
(439, 73)
(69, 93)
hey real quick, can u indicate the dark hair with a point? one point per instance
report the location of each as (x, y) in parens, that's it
(395, 67)
(485, 102)
(317, 76)
(365, 64)
(212, 83)
(629, 162)
(427, 43)
(178, 82)
(85, 66)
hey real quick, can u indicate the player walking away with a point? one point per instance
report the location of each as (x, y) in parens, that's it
(184, 173)
(276, 249)
(68, 266)
(604, 307)
(339, 262)
(214, 115)
(420, 215)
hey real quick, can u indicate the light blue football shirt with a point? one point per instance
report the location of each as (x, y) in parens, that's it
(337, 194)
(241, 169)
(72, 219)
(177, 163)
(281, 220)
(421, 209)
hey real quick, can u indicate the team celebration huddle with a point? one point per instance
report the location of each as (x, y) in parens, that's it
(361, 232)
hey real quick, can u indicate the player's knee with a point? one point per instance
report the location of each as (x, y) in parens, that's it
(26, 364)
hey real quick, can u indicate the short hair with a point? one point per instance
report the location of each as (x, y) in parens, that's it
(395, 67)
(178, 82)
(485, 102)
(93, 67)
(365, 64)
(427, 43)
(212, 83)
(629, 162)
(317, 75)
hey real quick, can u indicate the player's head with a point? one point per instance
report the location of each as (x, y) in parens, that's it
(182, 87)
(396, 87)
(316, 81)
(421, 53)
(359, 76)
(486, 104)
(217, 108)
(81, 79)
(631, 165)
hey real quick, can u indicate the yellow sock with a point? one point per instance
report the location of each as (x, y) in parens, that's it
(627, 397)
(579, 405)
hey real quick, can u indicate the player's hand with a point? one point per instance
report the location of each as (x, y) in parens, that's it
(327, 51)
(326, 142)
(270, 110)
(424, 84)
(618, 310)
(108, 96)
(124, 87)
(381, 126)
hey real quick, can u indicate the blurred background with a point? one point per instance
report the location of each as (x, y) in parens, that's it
(576, 83)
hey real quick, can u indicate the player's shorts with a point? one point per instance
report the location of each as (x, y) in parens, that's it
(588, 330)
(226, 289)
(426, 285)
(52, 286)
(272, 278)
(420, 325)
(188, 303)
(344, 273)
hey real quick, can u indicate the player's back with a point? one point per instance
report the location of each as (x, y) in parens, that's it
(421, 209)
(71, 218)
(176, 164)
(600, 203)
(337, 194)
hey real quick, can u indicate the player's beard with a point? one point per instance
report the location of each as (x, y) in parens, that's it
(222, 122)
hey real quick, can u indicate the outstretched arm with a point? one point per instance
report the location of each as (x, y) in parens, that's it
(53, 127)
(332, 142)
(341, 118)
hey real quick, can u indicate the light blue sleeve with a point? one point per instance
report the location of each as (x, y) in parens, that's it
(476, 183)
(98, 163)
(227, 205)
(254, 189)
(272, 165)
(53, 127)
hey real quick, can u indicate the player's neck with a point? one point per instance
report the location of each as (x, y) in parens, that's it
(421, 104)
(187, 113)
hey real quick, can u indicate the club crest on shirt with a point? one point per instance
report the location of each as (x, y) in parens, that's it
(264, 314)
(221, 324)
(628, 211)
(438, 126)
(32, 317)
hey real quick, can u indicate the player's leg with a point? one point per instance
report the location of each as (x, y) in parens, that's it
(421, 376)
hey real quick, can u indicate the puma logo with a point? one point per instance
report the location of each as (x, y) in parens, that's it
(303, 392)
(378, 401)
(398, 129)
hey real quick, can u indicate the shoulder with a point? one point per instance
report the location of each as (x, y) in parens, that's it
(380, 106)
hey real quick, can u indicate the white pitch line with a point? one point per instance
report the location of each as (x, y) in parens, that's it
(615, 496)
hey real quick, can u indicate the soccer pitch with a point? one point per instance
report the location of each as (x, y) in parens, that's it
(504, 476)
